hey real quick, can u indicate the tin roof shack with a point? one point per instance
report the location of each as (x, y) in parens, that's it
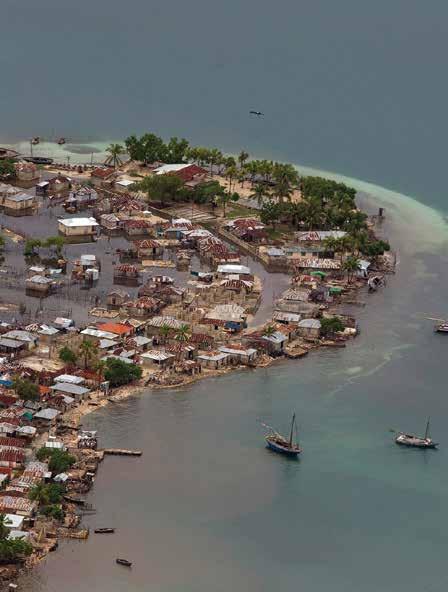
(214, 360)
(78, 230)
(6, 190)
(27, 174)
(76, 391)
(39, 286)
(181, 351)
(240, 354)
(111, 224)
(186, 172)
(12, 347)
(102, 176)
(24, 336)
(20, 204)
(127, 275)
(250, 230)
(58, 185)
(46, 418)
(156, 326)
(17, 505)
(86, 270)
(48, 334)
(81, 198)
(123, 185)
(289, 319)
(309, 329)
(234, 271)
(157, 359)
(228, 316)
(116, 298)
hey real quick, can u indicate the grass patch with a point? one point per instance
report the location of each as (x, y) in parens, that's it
(240, 211)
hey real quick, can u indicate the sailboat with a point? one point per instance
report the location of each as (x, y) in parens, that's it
(416, 441)
(278, 443)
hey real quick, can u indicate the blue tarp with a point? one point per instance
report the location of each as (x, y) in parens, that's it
(7, 383)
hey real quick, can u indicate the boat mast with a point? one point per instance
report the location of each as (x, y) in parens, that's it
(427, 429)
(292, 428)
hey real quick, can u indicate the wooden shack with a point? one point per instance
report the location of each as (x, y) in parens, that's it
(127, 275)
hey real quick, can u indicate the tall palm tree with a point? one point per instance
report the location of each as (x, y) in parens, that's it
(183, 333)
(351, 266)
(115, 151)
(164, 332)
(88, 349)
(260, 193)
(242, 158)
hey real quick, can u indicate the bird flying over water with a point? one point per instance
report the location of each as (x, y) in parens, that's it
(257, 113)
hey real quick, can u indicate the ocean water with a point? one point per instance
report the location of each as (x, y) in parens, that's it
(207, 507)
(351, 87)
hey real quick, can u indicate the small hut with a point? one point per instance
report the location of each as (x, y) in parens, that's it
(127, 275)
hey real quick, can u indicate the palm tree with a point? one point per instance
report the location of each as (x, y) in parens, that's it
(331, 244)
(242, 158)
(115, 151)
(183, 333)
(39, 493)
(313, 214)
(225, 199)
(269, 331)
(231, 173)
(260, 193)
(351, 266)
(88, 349)
(164, 332)
(4, 527)
(214, 158)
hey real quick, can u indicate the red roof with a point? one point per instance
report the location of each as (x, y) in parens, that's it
(188, 173)
(102, 173)
(117, 328)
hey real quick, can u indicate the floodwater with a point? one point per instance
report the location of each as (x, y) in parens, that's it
(207, 507)
(348, 86)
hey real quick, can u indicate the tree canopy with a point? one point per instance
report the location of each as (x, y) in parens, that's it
(59, 461)
(119, 373)
(25, 389)
(162, 188)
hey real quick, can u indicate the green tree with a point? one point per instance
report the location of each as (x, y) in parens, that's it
(7, 169)
(88, 349)
(331, 325)
(56, 242)
(260, 192)
(25, 389)
(225, 199)
(162, 188)
(115, 152)
(67, 355)
(183, 333)
(242, 158)
(14, 551)
(177, 150)
(351, 266)
(271, 212)
(119, 373)
(32, 246)
(269, 331)
(164, 332)
(59, 461)
(4, 529)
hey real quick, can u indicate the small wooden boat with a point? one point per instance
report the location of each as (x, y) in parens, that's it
(413, 441)
(61, 141)
(441, 327)
(124, 562)
(35, 140)
(375, 282)
(278, 443)
(104, 530)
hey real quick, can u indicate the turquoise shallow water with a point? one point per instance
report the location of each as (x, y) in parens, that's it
(207, 507)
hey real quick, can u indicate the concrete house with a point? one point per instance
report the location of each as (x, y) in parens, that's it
(78, 229)
(309, 328)
(20, 204)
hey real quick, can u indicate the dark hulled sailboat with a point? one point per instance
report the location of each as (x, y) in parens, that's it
(278, 443)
